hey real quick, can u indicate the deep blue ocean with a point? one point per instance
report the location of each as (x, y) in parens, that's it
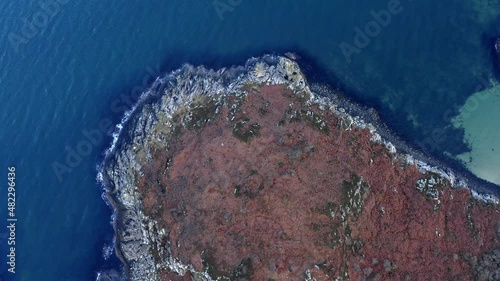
(70, 69)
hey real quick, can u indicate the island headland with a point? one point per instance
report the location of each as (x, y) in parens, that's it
(250, 173)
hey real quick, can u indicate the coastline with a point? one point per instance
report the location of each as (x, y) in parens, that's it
(175, 89)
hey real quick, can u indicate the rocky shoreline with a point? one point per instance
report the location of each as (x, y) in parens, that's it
(176, 104)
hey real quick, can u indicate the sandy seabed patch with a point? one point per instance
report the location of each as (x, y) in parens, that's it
(480, 118)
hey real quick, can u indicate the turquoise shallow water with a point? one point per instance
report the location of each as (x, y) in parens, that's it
(82, 64)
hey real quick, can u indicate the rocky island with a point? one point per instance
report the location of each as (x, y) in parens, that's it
(248, 174)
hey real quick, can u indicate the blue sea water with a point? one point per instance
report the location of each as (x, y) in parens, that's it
(81, 66)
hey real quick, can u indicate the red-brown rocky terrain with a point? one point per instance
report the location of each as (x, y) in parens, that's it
(273, 187)
(247, 174)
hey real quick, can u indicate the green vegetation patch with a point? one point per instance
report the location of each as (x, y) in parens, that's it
(245, 131)
(201, 111)
(193, 116)
(243, 270)
(353, 199)
(298, 97)
(470, 220)
(327, 210)
(209, 267)
(312, 118)
(264, 109)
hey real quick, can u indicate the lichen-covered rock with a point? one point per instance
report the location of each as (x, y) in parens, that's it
(245, 174)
